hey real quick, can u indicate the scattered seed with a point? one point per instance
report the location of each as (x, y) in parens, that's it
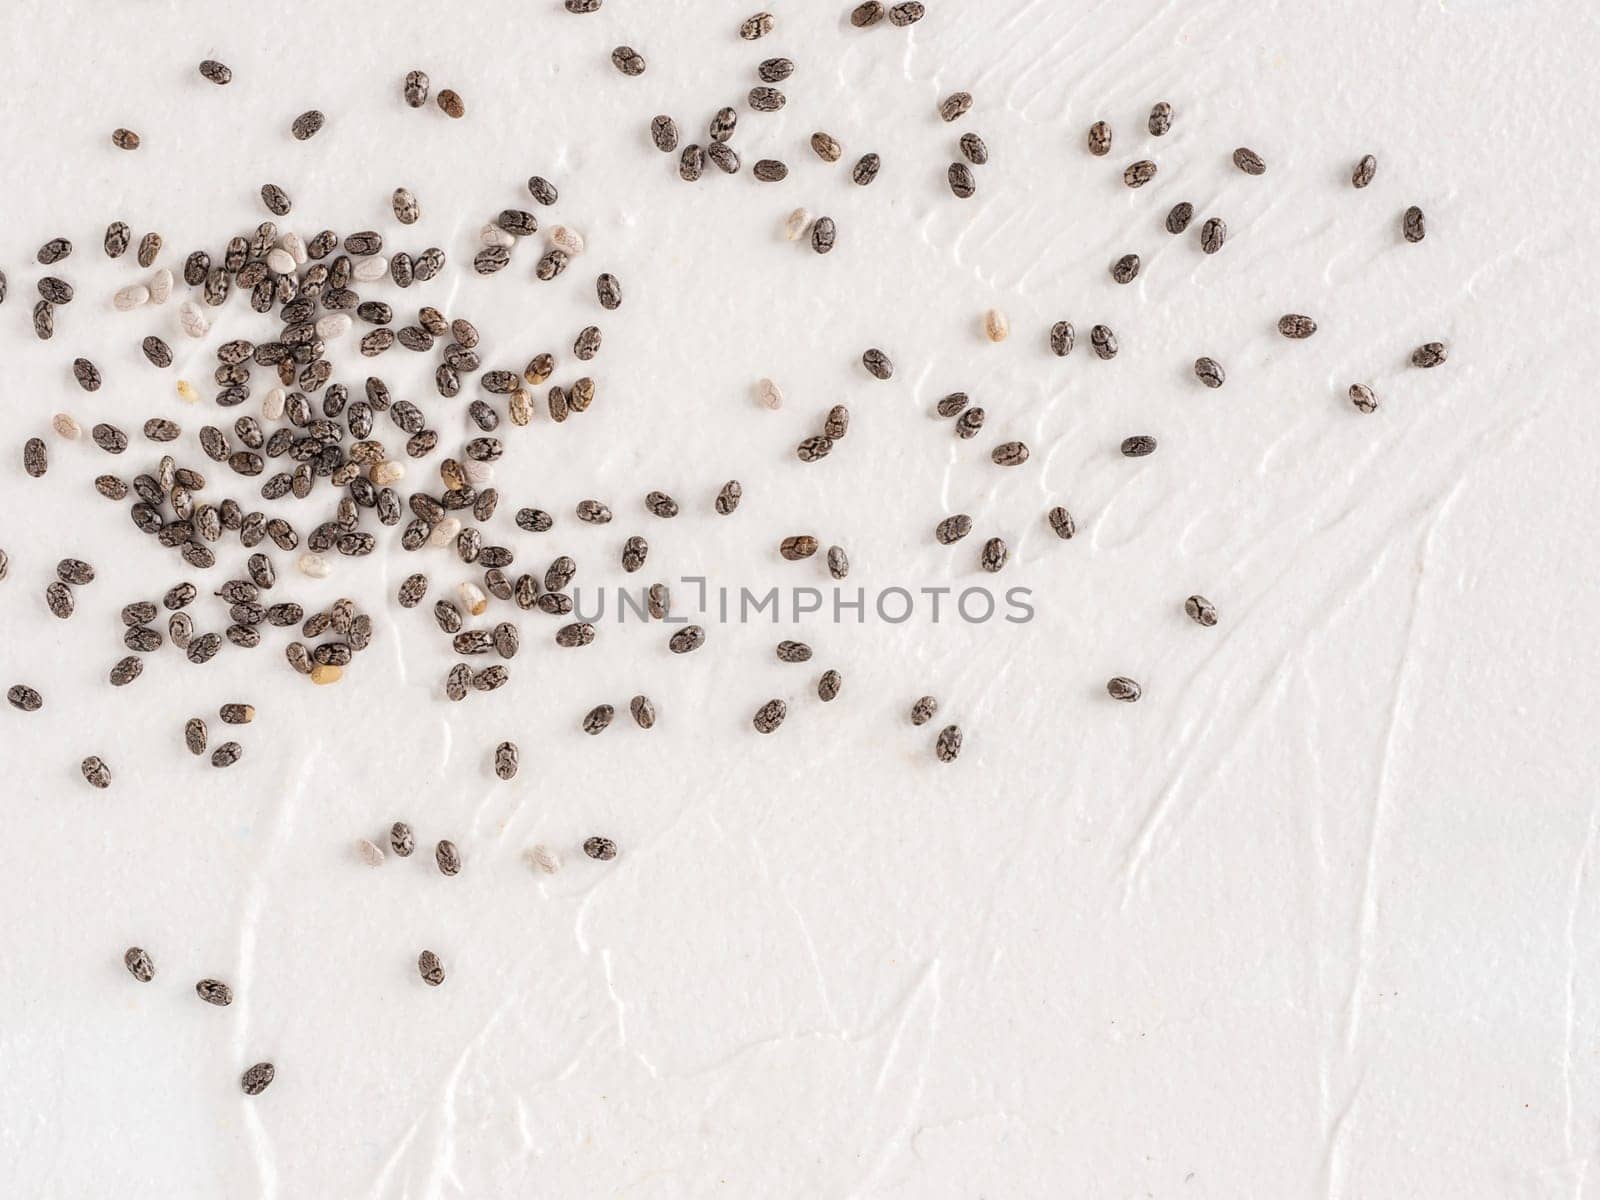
(1248, 161)
(770, 715)
(823, 235)
(877, 363)
(1363, 397)
(1160, 119)
(975, 149)
(430, 968)
(994, 555)
(124, 139)
(866, 14)
(257, 1079)
(96, 771)
(1009, 454)
(307, 124)
(214, 991)
(996, 325)
(826, 146)
(757, 26)
(1103, 342)
(506, 760)
(728, 498)
(215, 72)
(1138, 446)
(955, 106)
(793, 652)
(1140, 173)
(452, 104)
(1429, 354)
(1125, 269)
(448, 858)
(139, 964)
(227, 754)
(601, 849)
(962, 182)
(24, 697)
(866, 169)
(1364, 172)
(1209, 371)
(952, 529)
(948, 744)
(664, 133)
(598, 719)
(1413, 225)
(1296, 326)
(1200, 610)
(1124, 689)
(1061, 522)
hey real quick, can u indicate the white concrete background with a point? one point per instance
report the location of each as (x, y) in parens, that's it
(1317, 918)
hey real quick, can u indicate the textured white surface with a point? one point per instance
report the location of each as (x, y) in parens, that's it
(1316, 918)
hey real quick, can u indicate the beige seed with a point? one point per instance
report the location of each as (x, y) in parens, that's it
(371, 268)
(521, 407)
(386, 472)
(67, 426)
(477, 473)
(280, 261)
(131, 297)
(493, 236)
(333, 325)
(445, 532)
(160, 286)
(798, 222)
(272, 404)
(325, 673)
(564, 238)
(187, 392)
(770, 394)
(314, 566)
(472, 598)
(545, 859)
(191, 318)
(996, 325)
(296, 246)
(368, 851)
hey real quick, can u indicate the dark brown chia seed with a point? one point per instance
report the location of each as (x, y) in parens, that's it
(644, 712)
(1179, 217)
(448, 858)
(74, 571)
(793, 652)
(54, 251)
(757, 26)
(194, 735)
(598, 719)
(798, 547)
(601, 849)
(691, 163)
(952, 529)
(687, 640)
(1209, 371)
(723, 157)
(44, 320)
(430, 968)
(994, 555)
(24, 697)
(124, 139)
(947, 746)
(139, 964)
(1248, 161)
(1364, 172)
(1429, 354)
(87, 374)
(1125, 269)
(307, 124)
(970, 422)
(838, 562)
(452, 104)
(1200, 610)
(57, 291)
(1061, 522)
(823, 235)
(237, 714)
(775, 70)
(951, 405)
(1363, 397)
(728, 498)
(814, 448)
(125, 670)
(866, 169)
(975, 149)
(156, 351)
(770, 170)
(664, 133)
(1413, 225)
(1138, 446)
(770, 715)
(628, 60)
(214, 991)
(401, 840)
(257, 1079)
(1140, 173)
(1160, 119)
(955, 106)
(1296, 326)
(1009, 454)
(118, 238)
(96, 772)
(908, 13)
(506, 761)
(58, 598)
(866, 14)
(1124, 689)
(877, 364)
(826, 146)
(962, 183)
(766, 99)
(1062, 338)
(1099, 139)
